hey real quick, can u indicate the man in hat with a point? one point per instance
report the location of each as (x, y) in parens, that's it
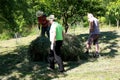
(56, 39)
(94, 33)
(42, 20)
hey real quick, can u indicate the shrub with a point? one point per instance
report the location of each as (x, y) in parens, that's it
(5, 35)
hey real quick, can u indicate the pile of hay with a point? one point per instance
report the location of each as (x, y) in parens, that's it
(72, 48)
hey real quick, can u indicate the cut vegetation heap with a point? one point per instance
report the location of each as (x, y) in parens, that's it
(72, 48)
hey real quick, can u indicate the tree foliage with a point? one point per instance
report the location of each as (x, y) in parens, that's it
(114, 11)
(16, 15)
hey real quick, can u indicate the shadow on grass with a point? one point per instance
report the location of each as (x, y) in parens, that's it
(16, 66)
(108, 38)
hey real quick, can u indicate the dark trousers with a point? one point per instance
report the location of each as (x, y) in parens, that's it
(45, 30)
(93, 39)
(56, 55)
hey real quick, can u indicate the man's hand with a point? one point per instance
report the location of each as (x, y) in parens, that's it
(52, 46)
(39, 26)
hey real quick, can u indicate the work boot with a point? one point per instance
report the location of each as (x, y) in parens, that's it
(96, 55)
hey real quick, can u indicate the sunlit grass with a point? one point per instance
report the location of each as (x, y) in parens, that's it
(14, 66)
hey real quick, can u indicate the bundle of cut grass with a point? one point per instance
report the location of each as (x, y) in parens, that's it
(72, 48)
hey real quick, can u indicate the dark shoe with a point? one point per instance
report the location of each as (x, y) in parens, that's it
(96, 55)
(87, 52)
(61, 71)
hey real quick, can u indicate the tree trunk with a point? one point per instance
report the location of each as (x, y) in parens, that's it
(117, 23)
(109, 23)
(65, 19)
(66, 26)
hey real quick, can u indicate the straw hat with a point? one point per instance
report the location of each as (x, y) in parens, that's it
(39, 13)
(52, 17)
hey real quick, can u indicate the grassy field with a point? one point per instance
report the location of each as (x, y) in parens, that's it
(14, 64)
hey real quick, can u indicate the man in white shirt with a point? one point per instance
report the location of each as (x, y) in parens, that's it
(56, 39)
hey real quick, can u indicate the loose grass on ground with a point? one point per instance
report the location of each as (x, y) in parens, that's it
(14, 64)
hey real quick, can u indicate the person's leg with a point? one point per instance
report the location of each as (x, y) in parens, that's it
(88, 44)
(43, 31)
(57, 55)
(51, 59)
(87, 48)
(96, 54)
(95, 42)
(97, 48)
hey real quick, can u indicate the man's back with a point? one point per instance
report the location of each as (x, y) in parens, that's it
(43, 21)
(59, 32)
(95, 26)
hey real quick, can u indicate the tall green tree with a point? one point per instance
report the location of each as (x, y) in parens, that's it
(16, 14)
(69, 10)
(114, 11)
(74, 10)
(6, 11)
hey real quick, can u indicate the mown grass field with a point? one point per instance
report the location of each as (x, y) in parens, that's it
(14, 64)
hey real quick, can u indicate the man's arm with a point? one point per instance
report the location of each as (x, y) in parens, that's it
(39, 22)
(54, 36)
(38, 26)
(53, 39)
